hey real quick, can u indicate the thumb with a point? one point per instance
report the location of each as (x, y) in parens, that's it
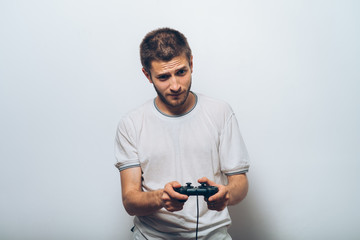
(206, 180)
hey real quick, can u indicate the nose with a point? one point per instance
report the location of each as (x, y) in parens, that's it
(174, 85)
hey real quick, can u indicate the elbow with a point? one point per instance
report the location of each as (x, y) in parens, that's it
(130, 211)
(128, 207)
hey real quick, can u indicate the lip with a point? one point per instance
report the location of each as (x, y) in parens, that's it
(175, 95)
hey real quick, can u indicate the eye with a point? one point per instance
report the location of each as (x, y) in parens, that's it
(181, 72)
(163, 77)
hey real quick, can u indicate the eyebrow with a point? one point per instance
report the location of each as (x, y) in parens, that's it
(184, 67)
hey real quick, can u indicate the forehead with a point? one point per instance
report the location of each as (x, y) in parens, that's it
(174, 64)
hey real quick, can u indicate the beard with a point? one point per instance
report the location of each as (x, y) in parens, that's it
(166, 102)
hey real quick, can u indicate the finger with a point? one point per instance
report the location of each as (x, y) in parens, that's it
(217, 196)
(174, 209)
(207, 181)
(165, 197)
(177, 196)
(216, 206)
(173, 205)
(220, 196)
(203, 180)
(175, 184)
(172, 185)
(212, 205)
(169, 189)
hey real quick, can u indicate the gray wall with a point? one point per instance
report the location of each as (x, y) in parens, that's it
(70, 69)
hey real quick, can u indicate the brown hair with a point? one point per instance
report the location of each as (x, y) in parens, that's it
(163, 44)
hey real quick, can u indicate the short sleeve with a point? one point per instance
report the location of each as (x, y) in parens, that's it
(234, 157)
(125, 146)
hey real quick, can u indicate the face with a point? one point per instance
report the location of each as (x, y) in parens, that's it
(172, 82)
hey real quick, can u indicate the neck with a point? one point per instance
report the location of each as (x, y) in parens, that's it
(178, 110)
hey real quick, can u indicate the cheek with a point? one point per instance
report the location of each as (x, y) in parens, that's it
(186, 81)
(161, 86)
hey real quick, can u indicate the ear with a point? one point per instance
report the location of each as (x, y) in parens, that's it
(147, 75)
(191, 63)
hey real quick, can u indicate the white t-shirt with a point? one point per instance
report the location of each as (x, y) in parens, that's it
(205, 142)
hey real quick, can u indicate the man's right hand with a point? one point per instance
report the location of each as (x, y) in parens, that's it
(173, 201)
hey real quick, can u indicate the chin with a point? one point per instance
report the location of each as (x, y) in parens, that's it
(177, 103)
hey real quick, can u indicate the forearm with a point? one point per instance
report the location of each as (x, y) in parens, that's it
(237, 188)
(141, 203)
(135, 200)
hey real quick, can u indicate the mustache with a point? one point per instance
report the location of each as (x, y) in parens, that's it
(177, 93)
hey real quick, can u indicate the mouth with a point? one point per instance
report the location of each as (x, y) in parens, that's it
(175, 95)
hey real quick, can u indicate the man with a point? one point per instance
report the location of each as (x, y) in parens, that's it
(178, 137)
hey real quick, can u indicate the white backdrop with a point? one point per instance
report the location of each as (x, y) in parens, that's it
(70, 69)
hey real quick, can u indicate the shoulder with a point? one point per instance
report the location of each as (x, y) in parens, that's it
(136, 115)
(215, 111)
(139, 111)
(214, 106)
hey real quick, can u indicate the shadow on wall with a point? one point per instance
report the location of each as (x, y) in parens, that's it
(248, 222)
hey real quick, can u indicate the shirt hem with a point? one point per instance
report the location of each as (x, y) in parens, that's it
(126, 167)
(237, 172)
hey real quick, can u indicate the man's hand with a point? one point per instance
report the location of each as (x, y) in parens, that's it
(219, 200)
(234, 192)
(173, 201)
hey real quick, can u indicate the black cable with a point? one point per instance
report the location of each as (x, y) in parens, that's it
(197, 218)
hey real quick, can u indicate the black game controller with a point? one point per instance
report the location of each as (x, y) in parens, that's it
(204, 190)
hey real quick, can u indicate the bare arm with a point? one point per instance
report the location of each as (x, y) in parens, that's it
(237, 187)
(234, 192)
(140, 203)
(137, 202)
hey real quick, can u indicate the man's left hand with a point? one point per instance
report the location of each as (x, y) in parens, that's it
(219, 200)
